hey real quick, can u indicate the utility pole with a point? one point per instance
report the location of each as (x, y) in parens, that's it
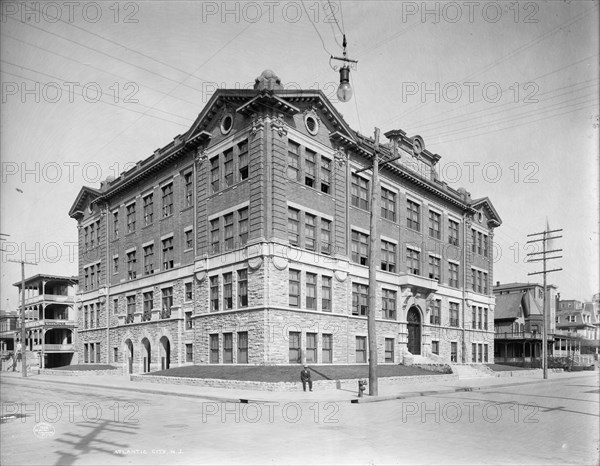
(373, 250)
(544, 252)
(23, 330)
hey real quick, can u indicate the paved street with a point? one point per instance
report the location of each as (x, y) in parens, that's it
(552, 422)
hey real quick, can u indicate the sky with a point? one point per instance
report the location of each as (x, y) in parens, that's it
(506, 93)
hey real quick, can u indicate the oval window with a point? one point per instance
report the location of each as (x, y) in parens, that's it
(312, 125)
(226, 123)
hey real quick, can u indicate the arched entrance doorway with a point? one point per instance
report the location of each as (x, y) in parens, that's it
(413, 319)
(165, 353)
(146, 355)
(129, 355)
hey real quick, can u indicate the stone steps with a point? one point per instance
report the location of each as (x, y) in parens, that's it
(466, 371)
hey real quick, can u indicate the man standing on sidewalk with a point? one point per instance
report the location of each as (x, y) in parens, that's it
(305, 377)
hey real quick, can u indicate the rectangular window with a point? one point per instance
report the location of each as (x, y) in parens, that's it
(189, 292)
(388, 301)
(310, 226)
(115, 354)
(453, 232)
(294, 288)
(311, 347)
(435, 225)
(148, 209)
(92, 234)
(389, 350)
(228, 237)
(242, 348)
(479, 243)
(189, 199)
(92, 316)
(86, 277)
(311, 291)
(413, 215)
(189, 323)
(115, 306)
(86, 238)
(227, 348)
(453, 275)
(485, 316)
(228, 166)
(242, 288)
(474, 317)
(453, 352)
(214, 174)
(228, 291)
(149, 259)
(388, 204)
(98, 315)
(116, 264)
(325, 236)
(485, 246)
(93, 276)
(148, 305)
(360, 306)
(361, 349)
(98, 352)
(310, 164)
(214, 293)
(189, 239)
(85, 317)
(214, 236)
(167, 302)
(325, 175)
(189, 352)
(293, 168)
(131, 268)
(294, 226)
(294, 347)
(436, 310)
(480, 321)
(326, 294)
(115, 225)
(130, 308)
(434, 268)
(243, 159)
(243, 226)
(360, 248)
(327, 349)
(168, 254)
(479, 352)
(435, 347)
(485, 283)
(473, 352)
(214, 348)
(453, 314)
(473, 241)
(474, 279)
(413, 261)
(167, 200)
(485, 353)
(388, 256)
(359, 192)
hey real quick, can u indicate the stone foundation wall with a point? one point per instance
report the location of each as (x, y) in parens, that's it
(116, 371)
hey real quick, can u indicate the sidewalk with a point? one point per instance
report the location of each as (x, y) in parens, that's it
(386, 392)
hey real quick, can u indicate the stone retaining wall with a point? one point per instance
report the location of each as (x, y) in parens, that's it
(117, 371)
(348, 384)
(524, 373)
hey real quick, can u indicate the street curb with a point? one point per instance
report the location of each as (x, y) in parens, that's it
(413, 395)
(144, 390)
(446, 391)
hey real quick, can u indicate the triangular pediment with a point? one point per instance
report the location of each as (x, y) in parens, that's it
(84, 198)
(485, 205)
